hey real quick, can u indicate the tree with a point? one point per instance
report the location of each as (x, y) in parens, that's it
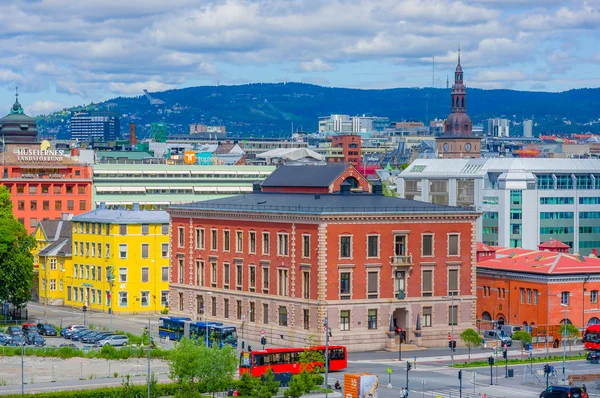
(295, 388)
(525, 337)
(571, 333)
(311, 355)
(266, 386)
(471, 339)
(16, 260)
(208, 369)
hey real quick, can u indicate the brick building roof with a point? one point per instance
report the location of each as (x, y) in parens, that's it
(304, 175)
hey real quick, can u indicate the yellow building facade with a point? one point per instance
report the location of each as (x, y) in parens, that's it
(120, 261)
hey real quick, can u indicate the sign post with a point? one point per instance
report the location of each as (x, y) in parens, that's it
(263, 338)
(389, 370)
(399, 344)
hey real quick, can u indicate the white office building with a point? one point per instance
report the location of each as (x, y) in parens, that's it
(523, 202)
(527, 128)
(498, 127)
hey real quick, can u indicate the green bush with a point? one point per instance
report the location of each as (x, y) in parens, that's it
(106, 352)
(319, 380)
(516, 361)
(160, 390)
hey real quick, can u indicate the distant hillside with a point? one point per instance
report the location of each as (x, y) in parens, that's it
(270, 109)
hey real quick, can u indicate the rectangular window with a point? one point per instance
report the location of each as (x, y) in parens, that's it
(164, 298)
(99, 296)
(145, 299)
(164, 250)
(123, 250)
(122, 274)
(69, 293)
(427, 245)
(345, 246)
(252, 310)
(345, 284)
(122, 299)
(123, 229)
(265, 279)
(594, 296)
(214, 239)
(164, 229)
(239, 277)
(453, 315)
(52, 284)
(536, 296)
(60, 284)
(373, 284)
(265, 243)
(199, 273)
(87, 272)
(453, 282)
(372, 319)
(306, 284)
(266, 314)
(252, 284)
(145, 274)
(522, 290)
(180, 237)
(75, 294)
(226, 240)
(70, 205)
(529, 296)
(427, 283)
(283, 320)
(282, 244)
(373, 246)
(213, 274)
(33, 205)
(252, 242)
(58, 205)
(306, 246)
(226, 275)
(52, 263)
(180, 273)
(145, 248)
(515, 229)
(344, 320)
(282, 284)
(99, 250)
(108, 250)
(93, 273)
(453, 243)
(164, 274)
(145, 229)
(239, 241)
(238, 309)
(427, 311)
(516, 197)
(564, 298)
(46, 205)
(306, 319)
(200, 238)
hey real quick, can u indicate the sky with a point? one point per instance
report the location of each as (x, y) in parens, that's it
(63, 52)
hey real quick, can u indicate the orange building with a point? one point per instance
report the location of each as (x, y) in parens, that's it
(44, 183)
(351, 147)
(537, 287)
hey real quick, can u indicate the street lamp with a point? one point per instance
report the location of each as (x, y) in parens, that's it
(452, 314)
(206, 318)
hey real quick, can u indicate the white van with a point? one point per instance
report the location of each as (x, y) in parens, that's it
(494, 334)
(510, 329)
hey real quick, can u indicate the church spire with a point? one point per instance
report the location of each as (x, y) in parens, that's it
(459, 54)
(16, 108)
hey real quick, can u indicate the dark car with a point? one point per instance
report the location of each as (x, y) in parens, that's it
(91, 337)
(63, 331)
(29, 326)
(100, 336)
(17, 340)
(70, 345)
(38, 341)
(14, 330)
(30, 335)
(77, 336)
(593, 357)
(563, 392)
(4, 340)
(69, 333)
(46, 329)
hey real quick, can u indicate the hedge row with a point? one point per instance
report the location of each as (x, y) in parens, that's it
(518, 361)
(160, 390)
(106, 352)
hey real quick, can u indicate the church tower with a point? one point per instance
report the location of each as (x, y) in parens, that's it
(458, 140)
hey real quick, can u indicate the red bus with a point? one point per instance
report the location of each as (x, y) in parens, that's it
(287, 360)
(591, 338)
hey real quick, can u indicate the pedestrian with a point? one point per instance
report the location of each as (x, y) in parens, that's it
(402, 392)
(484, 395)
(406, 393)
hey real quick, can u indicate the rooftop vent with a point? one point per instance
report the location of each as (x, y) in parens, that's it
(102, 205)
(377, 188)
(345, 188)
(256, 186)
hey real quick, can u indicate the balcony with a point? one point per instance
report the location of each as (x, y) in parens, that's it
(402, 261)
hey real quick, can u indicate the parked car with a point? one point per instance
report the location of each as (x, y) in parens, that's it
(38, 341)
(14, 330)
(30, 335)
(72, 331)
(77, 336)
(593, 356)
(100, 336)
(29, 326)
(510, 329)
(114, 340)
(63, 331)
(4, 340)
(563, 392)
(70, 345)
(497, 335)
(46, 329)
(17, 340)
(93, 337)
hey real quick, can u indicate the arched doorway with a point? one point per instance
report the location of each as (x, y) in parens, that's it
(486, 316)
(593, 321)
(501, 320)
(525, 325)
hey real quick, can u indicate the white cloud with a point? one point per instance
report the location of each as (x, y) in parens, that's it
(316, 65)
(137, 88)
(42, 107)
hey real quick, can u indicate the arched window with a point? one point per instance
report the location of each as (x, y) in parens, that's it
(562, 321)
(352, 181)
(501, 320)
(486, 316)
(593, 321)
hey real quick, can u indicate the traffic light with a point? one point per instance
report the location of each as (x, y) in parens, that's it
(408, 366)
(450, 344)
(263, 340)
(453, 345)
(491, 361)
(547, 369)
(505, 354)
(399, 331)
(460, 375)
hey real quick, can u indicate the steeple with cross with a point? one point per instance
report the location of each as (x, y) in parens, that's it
(16, 108)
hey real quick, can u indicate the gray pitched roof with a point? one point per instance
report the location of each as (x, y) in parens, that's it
(304, 175)
(356, 203)
(61, 248)
(124, 216)
(54, 229)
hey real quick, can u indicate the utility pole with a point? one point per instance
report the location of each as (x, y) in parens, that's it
(326, 324)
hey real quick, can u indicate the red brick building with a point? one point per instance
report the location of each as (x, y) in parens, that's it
(351, 146)
(284, 262)
(537, 287)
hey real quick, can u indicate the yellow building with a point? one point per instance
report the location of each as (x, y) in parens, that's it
(52, 255)
(120, 261)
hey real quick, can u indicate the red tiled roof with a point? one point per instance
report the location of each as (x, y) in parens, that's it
(482, 247)
(540, 262)
(554, 244)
